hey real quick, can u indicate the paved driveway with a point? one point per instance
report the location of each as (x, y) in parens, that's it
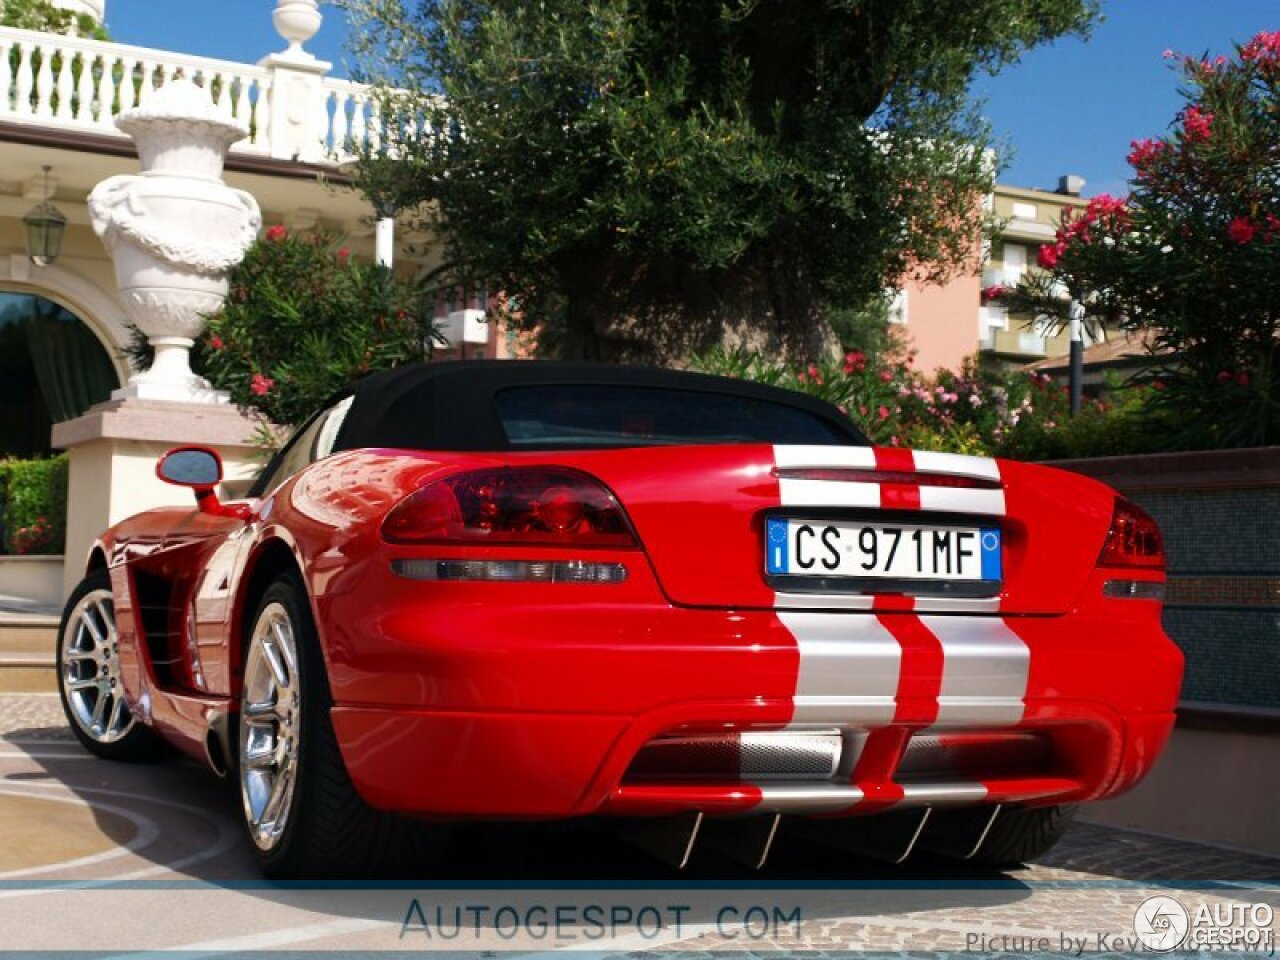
(113, 858)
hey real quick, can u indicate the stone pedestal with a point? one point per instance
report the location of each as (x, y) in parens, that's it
(114, 447)
(298, 129)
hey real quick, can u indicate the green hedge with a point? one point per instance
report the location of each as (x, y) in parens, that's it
(33, 505)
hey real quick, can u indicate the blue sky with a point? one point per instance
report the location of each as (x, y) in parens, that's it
(1071, 107)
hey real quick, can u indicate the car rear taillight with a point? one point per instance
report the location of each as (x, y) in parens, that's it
(515, 506)
(1134, 539)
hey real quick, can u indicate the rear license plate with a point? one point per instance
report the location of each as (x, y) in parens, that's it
(890, 551)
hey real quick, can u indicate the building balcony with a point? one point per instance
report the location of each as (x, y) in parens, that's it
(80, 86)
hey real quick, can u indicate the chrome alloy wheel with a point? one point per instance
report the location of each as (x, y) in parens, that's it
(270, 726)
(90, 673)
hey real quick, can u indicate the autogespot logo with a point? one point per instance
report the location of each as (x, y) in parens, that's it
(1161, 923)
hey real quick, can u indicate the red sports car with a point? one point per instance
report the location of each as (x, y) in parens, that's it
(504, 590)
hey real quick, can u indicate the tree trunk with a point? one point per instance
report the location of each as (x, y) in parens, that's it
(581, 339)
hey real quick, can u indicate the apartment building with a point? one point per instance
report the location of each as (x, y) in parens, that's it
(947, 323)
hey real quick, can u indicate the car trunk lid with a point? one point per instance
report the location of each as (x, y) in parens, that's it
(702, 511)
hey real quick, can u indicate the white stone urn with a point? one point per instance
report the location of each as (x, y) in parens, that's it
(174, 231)
(297, 21)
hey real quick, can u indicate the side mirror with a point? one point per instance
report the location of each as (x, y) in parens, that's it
(199, 468)
(196, 467)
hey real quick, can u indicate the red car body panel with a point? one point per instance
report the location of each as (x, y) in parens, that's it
(487, 699)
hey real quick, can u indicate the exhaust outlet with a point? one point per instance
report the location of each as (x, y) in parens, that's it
(216, 749)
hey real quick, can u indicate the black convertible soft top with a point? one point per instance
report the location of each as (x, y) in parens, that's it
(453, 405)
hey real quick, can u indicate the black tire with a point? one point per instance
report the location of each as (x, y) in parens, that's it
(133, 741)
(329, 830)
(1023, 834)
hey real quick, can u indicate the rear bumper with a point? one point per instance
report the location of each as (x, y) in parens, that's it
(467, 709)
(560, 765)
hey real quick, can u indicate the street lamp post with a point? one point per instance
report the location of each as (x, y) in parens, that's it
(1077, 355)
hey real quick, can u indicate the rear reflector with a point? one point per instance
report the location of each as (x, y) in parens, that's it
(519, 506)
(530, 571)
(839, 475)
(1134, 589)
(1134, 539)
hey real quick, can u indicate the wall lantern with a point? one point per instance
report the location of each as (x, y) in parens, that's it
(45, 227)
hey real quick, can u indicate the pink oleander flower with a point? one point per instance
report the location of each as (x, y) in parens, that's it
(855, 361)
(993, 292)
(1048, 256)
(275, 233)
(1105, 205)
(1197, 124)
(216, 342)
(1263, 48)
(1143, 153)
(883, 413)
(1241, 230)
(261, 385)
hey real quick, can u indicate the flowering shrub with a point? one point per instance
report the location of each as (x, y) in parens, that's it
(303, 319)
(1018, 414)
(1193, 254)
(35, 539)
(33, 505)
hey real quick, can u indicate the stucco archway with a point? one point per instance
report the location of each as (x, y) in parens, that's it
(99, 310)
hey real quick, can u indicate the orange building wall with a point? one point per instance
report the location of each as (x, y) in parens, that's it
(942, 322)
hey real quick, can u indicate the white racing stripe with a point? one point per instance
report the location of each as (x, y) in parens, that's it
(984, 671)
(957, 604)
(801, 456)
(849, 664)
(848, 674)
(828, 493)
(830, 601)
(962, 500)
(956, 464)
(867, 496)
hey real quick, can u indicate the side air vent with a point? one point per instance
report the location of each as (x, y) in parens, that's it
(152, 606)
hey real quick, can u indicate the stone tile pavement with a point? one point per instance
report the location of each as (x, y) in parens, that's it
(118, 842)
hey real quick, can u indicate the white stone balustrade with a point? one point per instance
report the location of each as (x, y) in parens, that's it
(291, 109)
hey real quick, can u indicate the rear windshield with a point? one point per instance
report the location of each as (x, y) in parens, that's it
(607, 415)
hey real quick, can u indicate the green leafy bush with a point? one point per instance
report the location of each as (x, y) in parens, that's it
(45, 17)
(33, 505)
(304, 319)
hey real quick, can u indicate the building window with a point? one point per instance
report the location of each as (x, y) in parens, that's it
(1025, 211)
(898, 306)
(1015, 264)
